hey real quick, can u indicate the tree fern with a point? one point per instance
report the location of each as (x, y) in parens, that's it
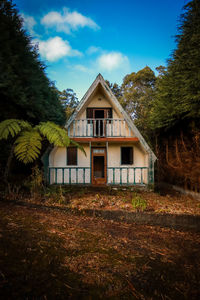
(28, 146)
(12, 127)
(54, 134)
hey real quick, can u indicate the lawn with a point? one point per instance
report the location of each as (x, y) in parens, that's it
(46, 254)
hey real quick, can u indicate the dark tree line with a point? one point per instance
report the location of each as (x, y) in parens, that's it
(25, 90)
(166, 108)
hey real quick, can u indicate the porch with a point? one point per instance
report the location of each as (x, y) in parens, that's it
(126, 176)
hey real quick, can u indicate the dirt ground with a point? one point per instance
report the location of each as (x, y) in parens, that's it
(53, 255)
(118, 199)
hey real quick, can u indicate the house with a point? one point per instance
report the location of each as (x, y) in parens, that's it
(116, 152)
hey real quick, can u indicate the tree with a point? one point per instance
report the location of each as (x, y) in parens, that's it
(25, 91)
(69, 101)
(137, 97)
(28, 143)
(115, 88)
(178, 90)
(175, 115)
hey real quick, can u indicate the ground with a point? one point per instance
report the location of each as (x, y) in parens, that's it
(118, 199)
(47, 254)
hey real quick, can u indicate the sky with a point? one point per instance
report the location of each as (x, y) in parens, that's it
(78, 39)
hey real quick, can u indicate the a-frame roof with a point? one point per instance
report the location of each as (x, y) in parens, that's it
(100, 80)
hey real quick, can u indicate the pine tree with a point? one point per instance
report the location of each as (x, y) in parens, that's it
(178, 90)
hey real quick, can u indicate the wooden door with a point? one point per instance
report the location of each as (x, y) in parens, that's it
(99, 166)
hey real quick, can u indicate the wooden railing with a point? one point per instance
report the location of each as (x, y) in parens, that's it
(115, 175)
(127, 175)
(99, 128)
(69, 175)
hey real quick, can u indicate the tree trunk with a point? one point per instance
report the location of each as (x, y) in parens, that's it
(8, 165)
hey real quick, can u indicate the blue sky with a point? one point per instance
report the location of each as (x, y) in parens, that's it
(79, 39)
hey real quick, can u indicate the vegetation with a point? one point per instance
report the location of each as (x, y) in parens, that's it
(25, 91)
(69, 101)
(178, 90)
(166, 108)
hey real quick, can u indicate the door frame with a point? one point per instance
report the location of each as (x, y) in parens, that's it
(99, 181)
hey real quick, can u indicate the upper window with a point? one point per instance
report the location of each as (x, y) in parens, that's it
(72, 156)
(126, 155)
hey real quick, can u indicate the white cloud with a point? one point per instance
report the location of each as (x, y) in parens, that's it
(112, 61)
(91, 50)
(55, 48)
(67, 21)
(29, 23)
(81, 68)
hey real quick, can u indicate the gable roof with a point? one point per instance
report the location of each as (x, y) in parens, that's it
(100, 80)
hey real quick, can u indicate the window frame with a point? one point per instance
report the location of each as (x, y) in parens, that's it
(67, 149)
(123, 147)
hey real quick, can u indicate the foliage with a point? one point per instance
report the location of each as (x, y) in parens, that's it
(28, 146)
(55, 134)
(175, 113)
(29, 141)
(178, 89)
(35, 182)
(69, 101)
(115, 88)
(138, 202)
(138, 91)
(25, 90)
(12, 127)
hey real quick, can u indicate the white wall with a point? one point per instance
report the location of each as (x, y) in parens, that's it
(58, 158)
(114, 161)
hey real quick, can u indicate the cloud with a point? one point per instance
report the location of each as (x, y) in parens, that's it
(92, 50)
(67, 21)
(55, 48)
(112, 61)
(82, 68)
(29, 23)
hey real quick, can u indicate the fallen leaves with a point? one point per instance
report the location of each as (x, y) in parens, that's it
(55, 254)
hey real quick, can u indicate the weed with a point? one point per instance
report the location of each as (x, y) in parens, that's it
(138, 202)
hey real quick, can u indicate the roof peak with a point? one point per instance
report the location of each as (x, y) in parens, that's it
(99, 76)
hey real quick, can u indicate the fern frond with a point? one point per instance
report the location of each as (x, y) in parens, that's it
(28, 146)
(78, 146)
(12, 127)
(54, 134)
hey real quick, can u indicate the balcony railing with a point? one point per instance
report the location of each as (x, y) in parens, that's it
(99, 128)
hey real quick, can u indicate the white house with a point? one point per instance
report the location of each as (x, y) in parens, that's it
(117, 154)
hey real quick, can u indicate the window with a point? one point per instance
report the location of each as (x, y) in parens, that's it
(126, 155)
(71, 156)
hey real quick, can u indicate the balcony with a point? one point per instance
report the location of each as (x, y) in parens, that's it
(99, 128)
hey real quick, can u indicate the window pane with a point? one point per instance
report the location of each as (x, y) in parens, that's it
(127, 155)
(71, 156)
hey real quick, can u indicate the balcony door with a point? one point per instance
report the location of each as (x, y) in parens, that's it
(99, 117)
(99, 171)
(99, 122)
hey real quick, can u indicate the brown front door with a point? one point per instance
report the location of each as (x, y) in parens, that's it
(99, 172)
